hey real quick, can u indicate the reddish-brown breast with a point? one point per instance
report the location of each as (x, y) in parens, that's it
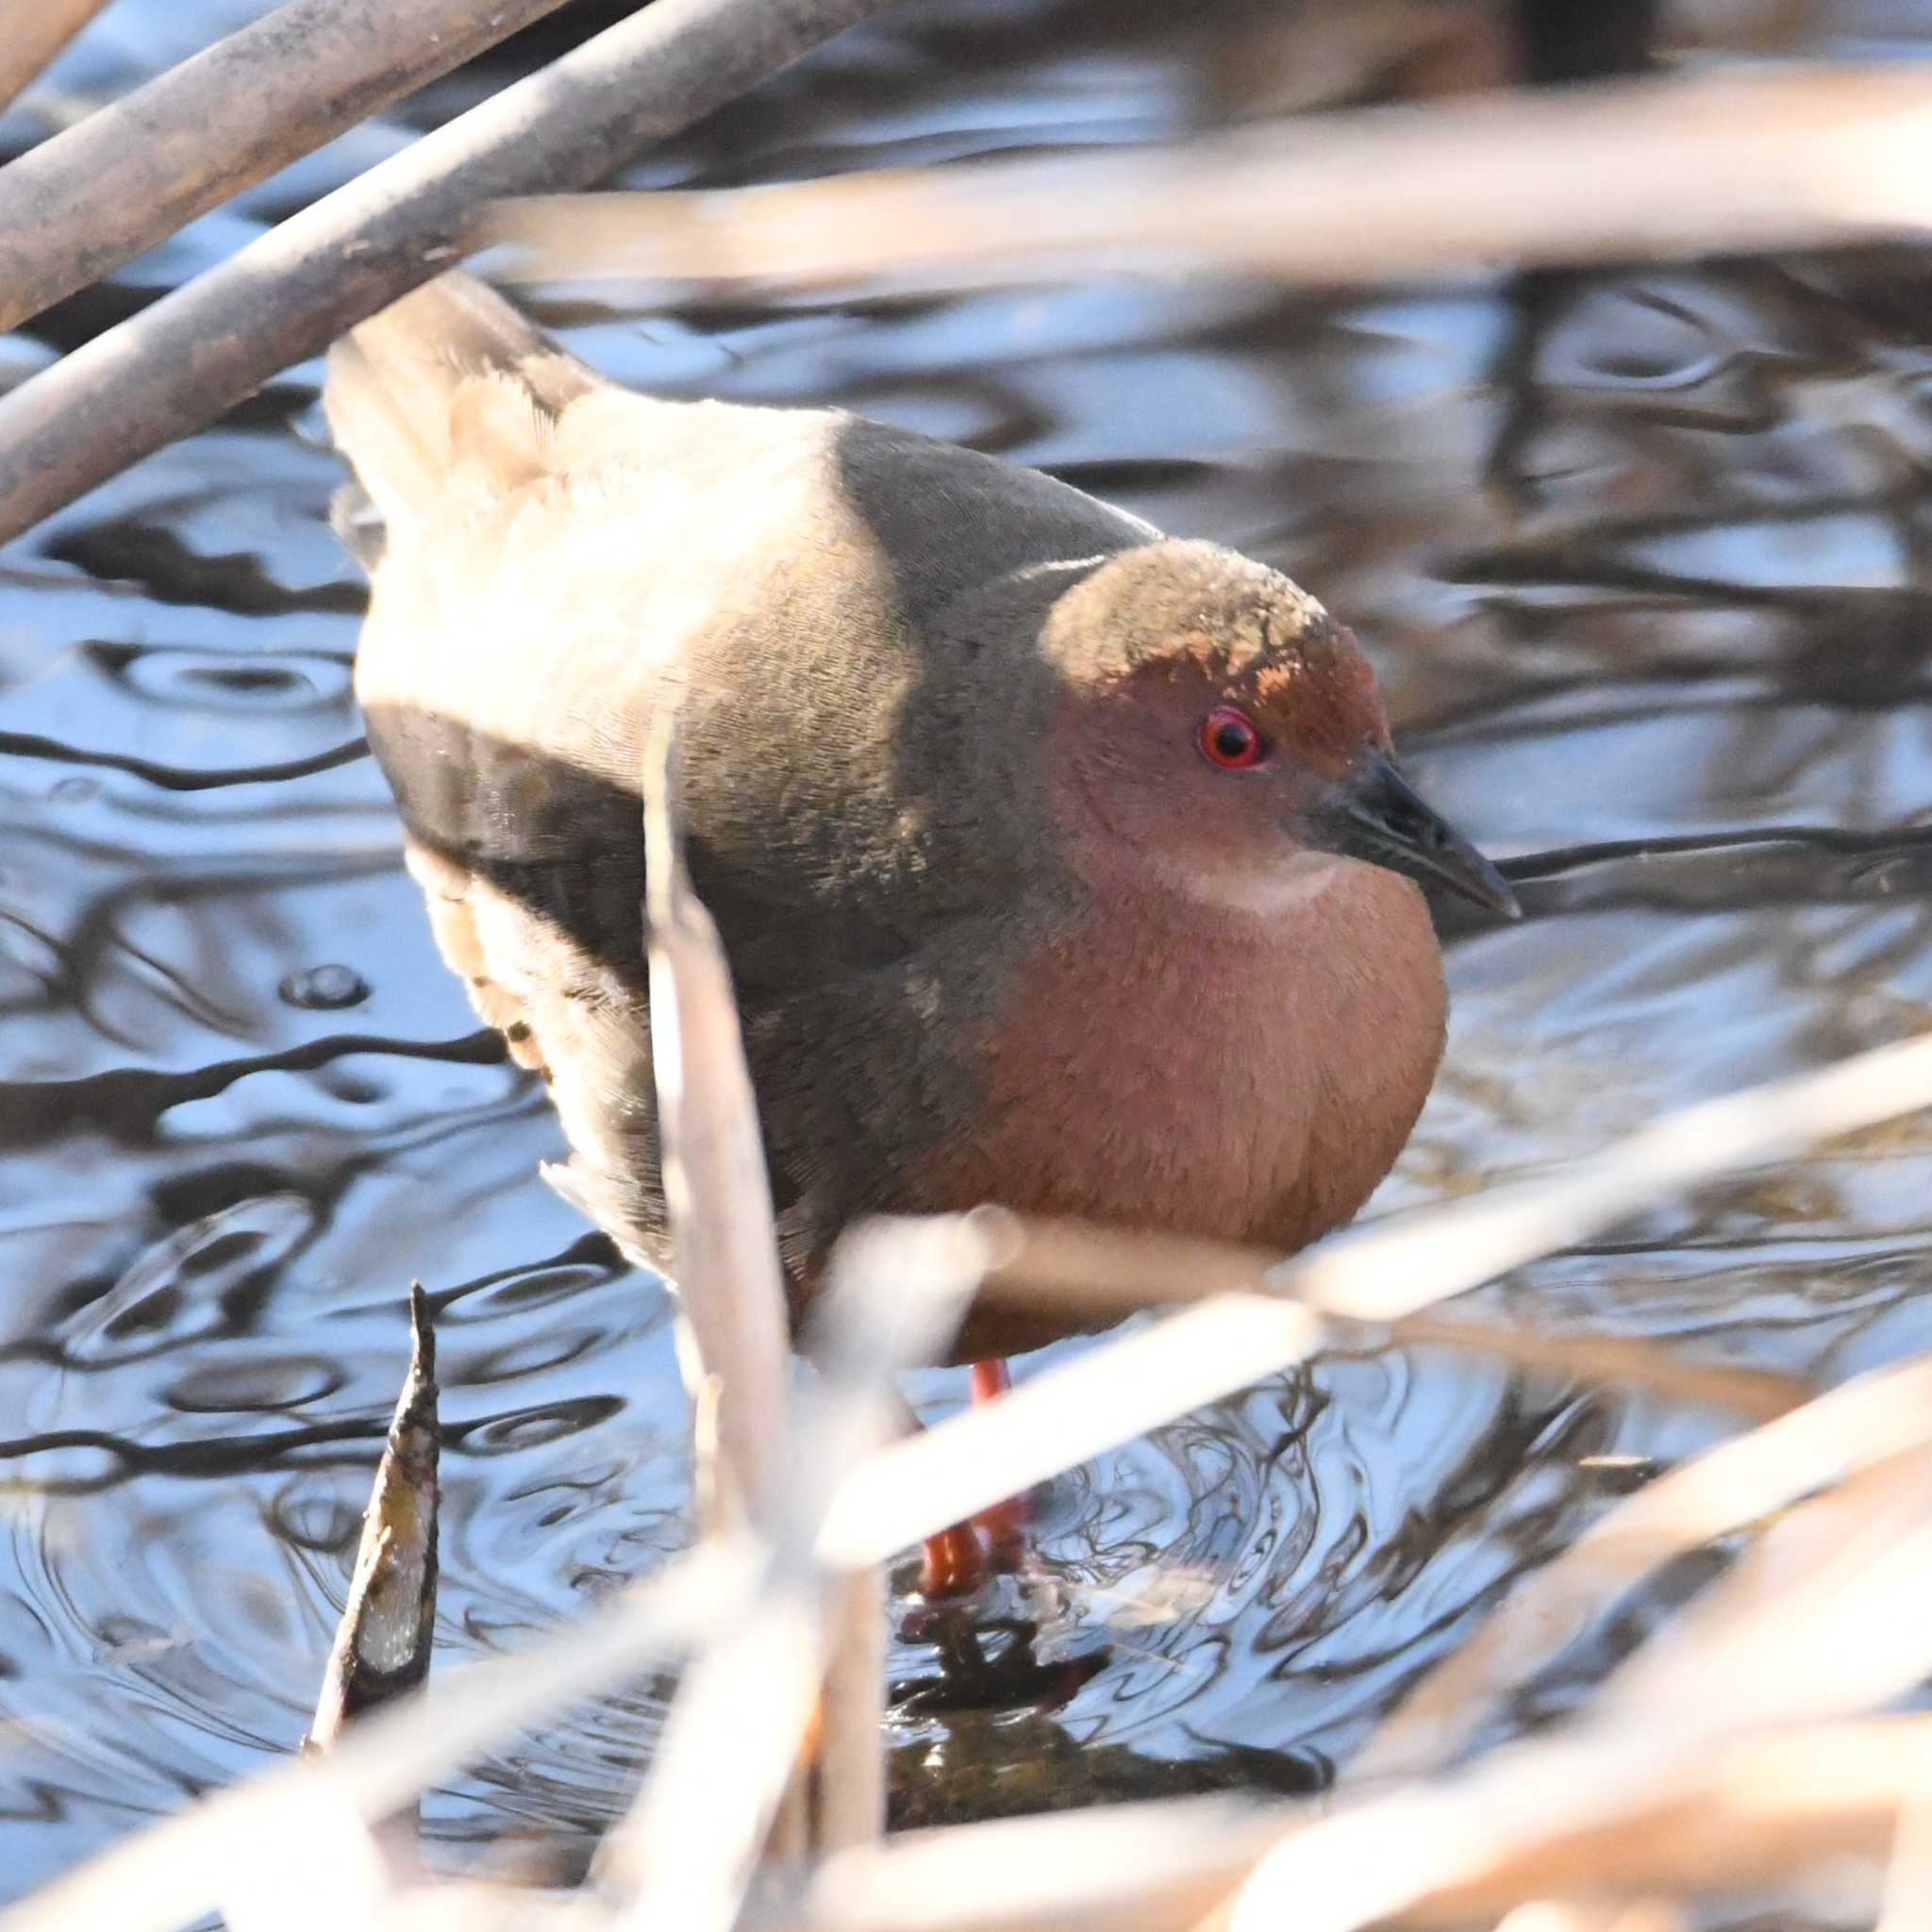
(1181, 1069)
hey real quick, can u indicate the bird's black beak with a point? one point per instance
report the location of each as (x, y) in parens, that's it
(1374, 815)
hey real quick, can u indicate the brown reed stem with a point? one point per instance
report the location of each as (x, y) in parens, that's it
(1599, 1817)
(79, 205)
(1152, 1866)
(388, 1628)
(34, 35)
(174, 367)
(1099, 1274)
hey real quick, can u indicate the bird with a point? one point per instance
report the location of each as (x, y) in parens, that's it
(1060, 864)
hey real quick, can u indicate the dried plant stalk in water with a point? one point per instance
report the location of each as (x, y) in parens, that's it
(1151, 1867)
(383, 1641)
(803, 1656)
(847, 1785)
(382, 1653)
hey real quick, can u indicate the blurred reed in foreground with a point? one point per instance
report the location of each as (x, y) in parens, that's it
(1740, 1747)
(1752, 1745)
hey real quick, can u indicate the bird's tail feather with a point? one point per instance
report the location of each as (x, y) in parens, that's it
(448, 376)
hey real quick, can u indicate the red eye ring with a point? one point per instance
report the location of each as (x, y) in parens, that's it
(1230, 738)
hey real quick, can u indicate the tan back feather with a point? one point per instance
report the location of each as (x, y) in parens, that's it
(450, 380)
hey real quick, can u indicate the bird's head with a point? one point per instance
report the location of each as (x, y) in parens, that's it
(1217, 726)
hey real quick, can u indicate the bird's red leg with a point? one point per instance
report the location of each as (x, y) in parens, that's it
(1005, 1524)
(954, 1563)
(956, 1558)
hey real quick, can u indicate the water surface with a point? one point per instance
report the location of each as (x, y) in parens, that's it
(1640, 555)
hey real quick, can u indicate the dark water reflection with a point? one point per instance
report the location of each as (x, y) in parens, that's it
(1642, 558)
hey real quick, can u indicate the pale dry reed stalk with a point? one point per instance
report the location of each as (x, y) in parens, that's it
(1823, 1620)
(686, 1855)
(1703, 163)
(717, 1198)
(688, 1852)
(896, 1495)
(1721, 1494)
(1773, 156)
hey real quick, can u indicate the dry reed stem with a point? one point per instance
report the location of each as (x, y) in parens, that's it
(1771, 158)
(467, 1905)
(897, 1495)
(1614, 1812)
(1830, 1615)
(1099, 1274)
(1843, 1580)
(688, 1850)
(82, 204)
(1605, 1816)
(174, 367)
(1112, 1867)
(793, 1689)
(35, 33)
(1905, 1903)
(1614, 1361)
(717, 1197)
(318, 1874)
(1753, 1812)
(382, 1648)
(848, 1792)
(1717, 1494)
(425, 1906)
(1378, 1273)
(177, 1871)
(685, 1854)
(1748, 1814)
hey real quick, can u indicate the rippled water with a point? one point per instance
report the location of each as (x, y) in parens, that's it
(1641, 557)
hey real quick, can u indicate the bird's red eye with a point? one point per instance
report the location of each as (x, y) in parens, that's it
(1229, 738)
